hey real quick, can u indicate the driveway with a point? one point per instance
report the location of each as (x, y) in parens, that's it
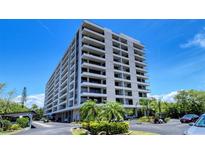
(51, 128)
(173, 127)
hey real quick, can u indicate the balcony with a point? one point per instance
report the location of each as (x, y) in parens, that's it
(91, 33)
(92, 57)
(144, 90)
(142, 76)
(141, 69)
(94, 66)
(95, 49)
(138, 46)
(90, 84)
(92, 94)
(143, 83)
(88, 74)
(120, 56)
(140, 63)
(93, 27)
(139, 56)
(93, 42)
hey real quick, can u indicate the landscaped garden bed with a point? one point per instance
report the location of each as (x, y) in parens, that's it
(8, 128)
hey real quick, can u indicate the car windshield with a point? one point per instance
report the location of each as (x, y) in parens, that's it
(200, 122)
(188, 116)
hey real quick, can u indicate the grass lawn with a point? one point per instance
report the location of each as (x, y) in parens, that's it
(135, 132)
(79, 132)
(146, 119)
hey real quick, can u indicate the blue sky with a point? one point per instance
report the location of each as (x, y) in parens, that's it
(175, 51)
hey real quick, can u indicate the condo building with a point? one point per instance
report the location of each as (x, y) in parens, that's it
(99, 65)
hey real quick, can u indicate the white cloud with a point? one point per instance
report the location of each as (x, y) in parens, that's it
(198, 40)
(37, 99)
(166, 97)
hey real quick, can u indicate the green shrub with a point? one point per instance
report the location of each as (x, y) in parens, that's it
(167, 119)
(146, 119)
(119, 128)
(1, 130)
(79, 131)
(5, 124)
(15, 127)
(110, 128)
(85, 125)
(23, 122)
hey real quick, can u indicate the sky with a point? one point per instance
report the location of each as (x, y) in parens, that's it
(175, 51)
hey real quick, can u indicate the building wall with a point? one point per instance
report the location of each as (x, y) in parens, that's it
(123, 57)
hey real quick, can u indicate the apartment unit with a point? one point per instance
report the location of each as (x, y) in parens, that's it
(100, 65)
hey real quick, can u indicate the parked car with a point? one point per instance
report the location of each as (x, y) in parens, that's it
(45, 120)
(198, 128)
(188, 118)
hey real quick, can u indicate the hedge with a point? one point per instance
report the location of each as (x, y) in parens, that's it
(23, 122)
(15, 127)
(5, 125)
(111, 128)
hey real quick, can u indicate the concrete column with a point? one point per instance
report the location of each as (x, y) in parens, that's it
(133, 74)
(109, 66)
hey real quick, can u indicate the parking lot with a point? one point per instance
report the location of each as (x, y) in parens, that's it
(173, 127)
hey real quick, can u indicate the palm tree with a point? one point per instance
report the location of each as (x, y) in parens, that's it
(89, 111)
(145, 104)
(112, 111)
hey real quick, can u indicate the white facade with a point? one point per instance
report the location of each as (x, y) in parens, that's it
(100, 65)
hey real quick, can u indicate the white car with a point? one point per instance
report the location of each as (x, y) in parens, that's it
(198, 128)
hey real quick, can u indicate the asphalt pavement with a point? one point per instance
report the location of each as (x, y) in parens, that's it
(173, 127)
(51, 128)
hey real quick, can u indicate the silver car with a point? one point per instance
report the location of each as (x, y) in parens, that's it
(198, 128)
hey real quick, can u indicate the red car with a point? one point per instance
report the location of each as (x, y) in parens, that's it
(188, 118)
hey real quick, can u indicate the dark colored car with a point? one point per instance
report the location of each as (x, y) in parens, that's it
(188, 118)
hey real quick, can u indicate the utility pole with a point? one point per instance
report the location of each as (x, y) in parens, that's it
(24, 97)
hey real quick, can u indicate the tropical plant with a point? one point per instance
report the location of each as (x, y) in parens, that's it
(112, 111)
(105, 127)
(89, 111)
(6, 103)
(145, 106)
(15, 127)
(23, 122)
(5, 124)
(190, 101)
(39, 112)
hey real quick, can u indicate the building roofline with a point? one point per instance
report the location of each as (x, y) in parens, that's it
(119, 34)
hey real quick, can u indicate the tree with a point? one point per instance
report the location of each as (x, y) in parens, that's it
(6, 104)
(145, 105)
(2, 85)
(39, 114)
(112, 111)
(8, 101)
(190, 101)
(34, 107)
(24, 96)
(89, 111)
